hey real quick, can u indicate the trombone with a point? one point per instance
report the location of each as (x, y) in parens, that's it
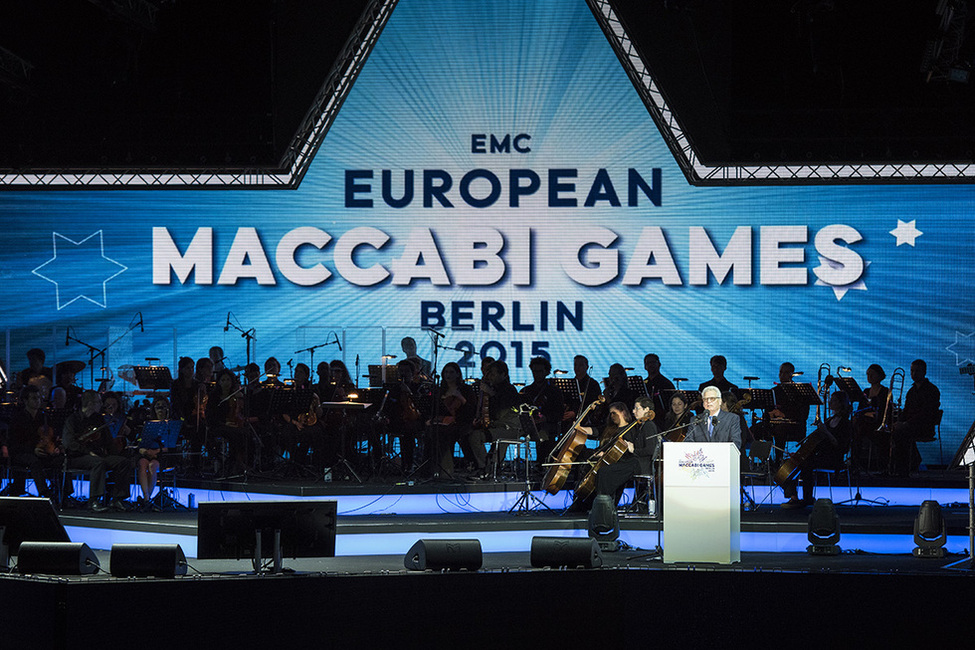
(896, 383)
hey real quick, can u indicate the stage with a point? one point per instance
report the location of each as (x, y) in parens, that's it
(365, 594)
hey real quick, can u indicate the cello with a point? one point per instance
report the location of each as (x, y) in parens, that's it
(606, 455)
(566, 451)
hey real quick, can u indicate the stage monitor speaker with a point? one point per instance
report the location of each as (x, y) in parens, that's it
(444, 554)
(566, 551)
(56, 558)
(144, 560)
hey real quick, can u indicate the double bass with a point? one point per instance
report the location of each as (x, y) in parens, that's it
(566, 451)
(608, 454)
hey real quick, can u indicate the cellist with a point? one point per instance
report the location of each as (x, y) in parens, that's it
(641, 446)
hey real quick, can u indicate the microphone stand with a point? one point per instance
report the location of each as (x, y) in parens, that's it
(250, 335)
(315, 347)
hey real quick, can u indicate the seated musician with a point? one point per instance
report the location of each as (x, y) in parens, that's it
(118, 428)
(678, 415)
(868, 419)
(402, 413)
(834, 438)
(31, 444)
(587, 390)
(272, 372)
(455, 411)
(224, 417)
(503, 403)
(86, 444)
(787, 419)
(66, 393)
(549, 405)
(917, 421)
(641, 446)
(303, 433)
(34, 369)
(150, 451)
(423, 367)
(715, 425)
(617, 389)
(732, 404)
(204, 371)
(658, 386)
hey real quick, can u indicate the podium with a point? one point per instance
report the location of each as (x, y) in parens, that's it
(702, 511)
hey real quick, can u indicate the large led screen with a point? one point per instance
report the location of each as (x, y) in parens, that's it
(494, 174)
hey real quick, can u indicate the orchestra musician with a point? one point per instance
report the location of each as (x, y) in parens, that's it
(32, 444)
(34, 369)
(216, 357)
(423, 367)
(871, 413)
(787, 419)
(224, 417)
(504, 401)
(917, 420)
(587, 390)
(402, 413)
(714, 425)
(150, 452)
(719, 365)
(66, 393)
(658, 387)
(679, 413)
(549, 405)
(86, 444)
(641, 447)
(454, 421)
(835, 436)
(118, 428)
(616, 387)
(732, 404)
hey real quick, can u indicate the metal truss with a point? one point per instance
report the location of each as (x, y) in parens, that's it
(700, 173)
(294, 163)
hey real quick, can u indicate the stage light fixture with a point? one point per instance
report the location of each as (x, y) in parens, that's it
(824, 529)
(444, 555)
(604, 524)
(930, 532)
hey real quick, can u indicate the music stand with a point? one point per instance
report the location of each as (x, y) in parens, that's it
(153, 377)
(637, 384)
(802, 394)
(376, 375)
(849, 386)
(762, 399)
(568, 386)
(526, 502)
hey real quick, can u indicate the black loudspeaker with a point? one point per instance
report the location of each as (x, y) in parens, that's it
(441, 554)
(566, 551)
(144, 560)
(56, 558)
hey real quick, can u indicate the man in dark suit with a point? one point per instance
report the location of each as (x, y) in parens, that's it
(717, 425)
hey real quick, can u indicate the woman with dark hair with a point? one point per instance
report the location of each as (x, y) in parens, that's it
(868, 419)
(225, 423)
(453, 422)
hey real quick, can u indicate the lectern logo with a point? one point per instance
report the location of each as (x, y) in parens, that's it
(697, 464)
